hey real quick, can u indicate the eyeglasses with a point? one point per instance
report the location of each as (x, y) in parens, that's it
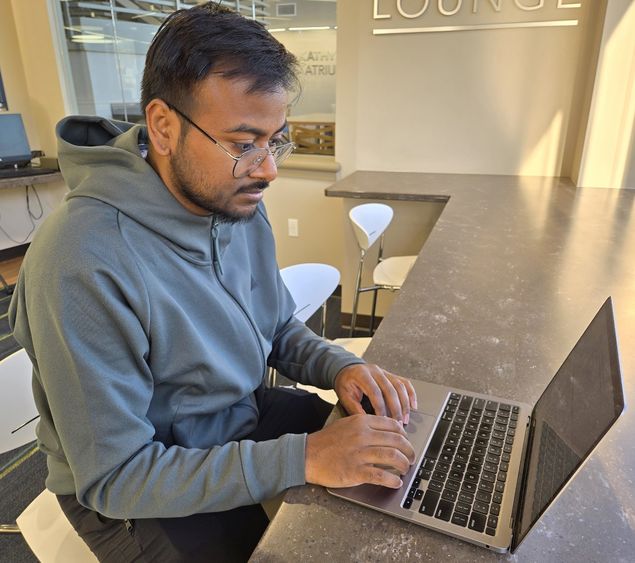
(251, 159)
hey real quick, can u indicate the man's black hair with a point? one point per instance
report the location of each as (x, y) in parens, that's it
(192, 43)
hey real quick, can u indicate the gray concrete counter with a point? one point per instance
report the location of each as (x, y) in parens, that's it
(511, 275)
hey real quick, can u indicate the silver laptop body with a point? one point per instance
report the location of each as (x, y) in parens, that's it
(487, 467)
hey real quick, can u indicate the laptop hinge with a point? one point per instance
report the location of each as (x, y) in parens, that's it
(519, 504)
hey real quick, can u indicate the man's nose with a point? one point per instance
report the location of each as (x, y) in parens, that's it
(267, 170)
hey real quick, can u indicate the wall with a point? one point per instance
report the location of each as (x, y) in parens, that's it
(608, 151)
(29, 73)
(489, 102)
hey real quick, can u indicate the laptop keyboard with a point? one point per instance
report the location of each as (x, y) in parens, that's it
(464, 471)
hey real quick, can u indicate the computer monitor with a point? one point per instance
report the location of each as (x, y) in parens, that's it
(14, 145)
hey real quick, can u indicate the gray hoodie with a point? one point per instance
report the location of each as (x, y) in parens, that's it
(150, 329)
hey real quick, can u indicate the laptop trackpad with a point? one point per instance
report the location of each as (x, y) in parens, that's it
(418, 430)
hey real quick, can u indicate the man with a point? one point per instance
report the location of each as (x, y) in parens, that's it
(150, 304)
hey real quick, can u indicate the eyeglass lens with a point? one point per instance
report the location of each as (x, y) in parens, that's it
(252, 159)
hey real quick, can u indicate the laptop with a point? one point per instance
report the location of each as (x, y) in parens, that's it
(15, 152)
(487, 467)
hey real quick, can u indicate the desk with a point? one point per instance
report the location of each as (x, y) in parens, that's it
(512, 273)
(6, 183)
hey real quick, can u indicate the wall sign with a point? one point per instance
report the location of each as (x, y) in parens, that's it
(434, 16)
(4, 106)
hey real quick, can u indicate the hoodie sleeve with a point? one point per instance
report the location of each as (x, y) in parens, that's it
(85, 333)
(301, 355)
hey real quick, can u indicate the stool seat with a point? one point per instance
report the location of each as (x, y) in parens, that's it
(392, 272)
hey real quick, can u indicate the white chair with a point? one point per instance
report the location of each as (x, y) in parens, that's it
(369, 221)
(42, 524)
(310, 286)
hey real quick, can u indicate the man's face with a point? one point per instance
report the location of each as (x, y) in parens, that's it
(201, 172)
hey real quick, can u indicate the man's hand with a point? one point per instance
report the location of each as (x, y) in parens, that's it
(389, 394)
(347, 453)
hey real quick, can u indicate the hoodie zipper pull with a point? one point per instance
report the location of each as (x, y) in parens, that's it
(215, 248)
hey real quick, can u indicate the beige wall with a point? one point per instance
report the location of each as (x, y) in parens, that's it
(608, 150)
(29, 73)
(490, 102)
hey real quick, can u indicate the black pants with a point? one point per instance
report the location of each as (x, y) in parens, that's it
(210, 537)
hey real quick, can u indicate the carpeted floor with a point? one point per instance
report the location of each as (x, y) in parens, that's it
(7, 343)
(22, 471)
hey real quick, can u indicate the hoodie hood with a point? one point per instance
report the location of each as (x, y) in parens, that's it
(102, 159)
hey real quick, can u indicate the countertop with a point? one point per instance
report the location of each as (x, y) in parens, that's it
(512, 273)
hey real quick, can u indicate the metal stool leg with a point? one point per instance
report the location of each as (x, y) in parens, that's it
(358, 285)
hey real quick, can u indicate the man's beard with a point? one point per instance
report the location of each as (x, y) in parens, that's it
(191, 184)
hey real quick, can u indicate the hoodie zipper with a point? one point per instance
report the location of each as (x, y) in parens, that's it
(217, 269)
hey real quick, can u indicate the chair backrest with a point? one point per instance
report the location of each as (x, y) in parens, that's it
(50, 535)
(310, 286)
(369, 221)
(17, 405)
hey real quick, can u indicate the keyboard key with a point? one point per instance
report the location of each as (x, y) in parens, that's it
(504, 407)
(502, 476)
(419, 494)
(507, 449)
(494, 450)
(429, 503)
(437, 439)
(459, 519)
(439, 476)
(447, 458)
(505, 457)
(466, 497)
(496, 442)
(495, 509)
(478, 404)
(477, 459)
(491, 406)
(453, 485)
(504, 466)
(489, 477)
(427, 463)
(474, 468)
(491, 458)
(488, 487)
(455, 396)
(500, 487)
(424, 474)
(480, 450)
(490, 531)
(513, 416)
(463, 508)
(477, 522)
(484, 496)
(412, 491)
(447, 416)
(469, 487)
(471, 477)
(435, 486)
(492, 521)
(497, 498)
(407, 503)
(444, 510)
(443, 466)
(515, 409)
(498, 434)
(509, 440)
(456, 475)
(481, 507)
(449, 495)
(466, 402)
(489, 466)
(462, 457)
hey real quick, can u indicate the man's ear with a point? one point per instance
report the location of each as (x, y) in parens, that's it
(164, 127)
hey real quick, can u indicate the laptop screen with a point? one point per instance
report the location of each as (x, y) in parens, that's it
(14, 146)
(578, 407)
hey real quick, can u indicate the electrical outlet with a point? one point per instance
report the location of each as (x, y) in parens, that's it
(293, 228)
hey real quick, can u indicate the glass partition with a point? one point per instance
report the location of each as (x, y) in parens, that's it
(106, 42)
